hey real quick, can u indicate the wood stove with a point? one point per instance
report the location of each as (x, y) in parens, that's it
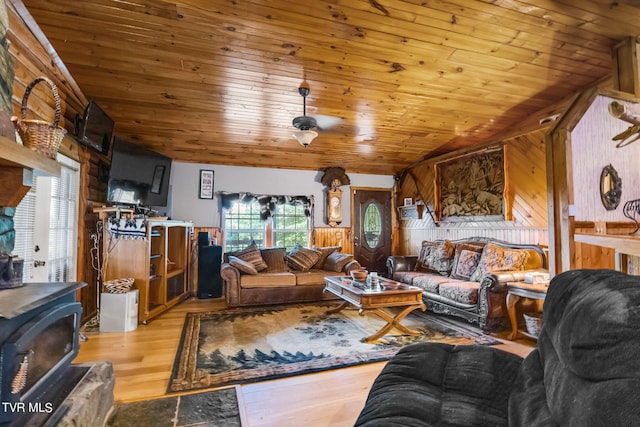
(39, 337)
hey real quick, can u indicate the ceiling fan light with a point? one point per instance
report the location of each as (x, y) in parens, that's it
(305, 137)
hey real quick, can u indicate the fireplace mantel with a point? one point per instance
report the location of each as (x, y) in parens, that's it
(15, 159)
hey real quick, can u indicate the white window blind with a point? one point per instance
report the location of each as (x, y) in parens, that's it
(23, 221)
(63, 224)
(60, 217)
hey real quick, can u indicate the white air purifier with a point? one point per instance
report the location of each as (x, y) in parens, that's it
(119, 312)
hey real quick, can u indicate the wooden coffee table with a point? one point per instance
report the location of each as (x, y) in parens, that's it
(390, 295)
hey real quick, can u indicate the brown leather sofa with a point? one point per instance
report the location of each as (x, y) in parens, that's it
(477, 296)
(278, 283)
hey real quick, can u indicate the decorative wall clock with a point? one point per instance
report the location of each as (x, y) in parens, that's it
(334, 204)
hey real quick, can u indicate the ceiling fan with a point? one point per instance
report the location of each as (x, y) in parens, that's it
(307, 125)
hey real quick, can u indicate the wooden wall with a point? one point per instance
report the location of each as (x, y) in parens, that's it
(33, 57)
(526, 195)
(590, 148)
(591, 256)
(215, 233)
(334, 236)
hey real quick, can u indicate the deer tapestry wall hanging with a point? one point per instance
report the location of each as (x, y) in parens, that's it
(472, 187)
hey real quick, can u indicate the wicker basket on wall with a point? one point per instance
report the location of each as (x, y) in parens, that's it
(38, 135)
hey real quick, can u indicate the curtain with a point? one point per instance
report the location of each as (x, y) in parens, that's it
(267, 202)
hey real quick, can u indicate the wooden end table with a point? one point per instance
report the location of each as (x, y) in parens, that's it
(391, 294)
(520, 290)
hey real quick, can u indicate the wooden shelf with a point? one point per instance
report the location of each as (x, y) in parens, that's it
(16, 162)
(175, 272)
(16, 155)
(135, 257)
(624, 243)
(411, 211)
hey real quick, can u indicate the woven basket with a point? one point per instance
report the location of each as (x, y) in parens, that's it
(118, 286)
(38, 135)
(533, 322)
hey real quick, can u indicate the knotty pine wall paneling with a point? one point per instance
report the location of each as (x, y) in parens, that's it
(333, 236)
(526, 182)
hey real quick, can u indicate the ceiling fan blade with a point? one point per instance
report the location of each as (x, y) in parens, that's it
(327, 122)
(343, 129)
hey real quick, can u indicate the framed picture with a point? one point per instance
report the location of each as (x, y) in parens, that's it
(156, 184)
(409, 212)
(408, 201)
(471, 187)
(206, 184)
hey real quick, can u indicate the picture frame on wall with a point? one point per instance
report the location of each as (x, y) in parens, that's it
(206, 184)
(408, 201)
(158, 175)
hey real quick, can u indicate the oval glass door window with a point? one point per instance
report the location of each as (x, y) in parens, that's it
(372, 226)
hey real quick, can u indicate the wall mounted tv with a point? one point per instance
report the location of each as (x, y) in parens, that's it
(138, 176)
(95, 128)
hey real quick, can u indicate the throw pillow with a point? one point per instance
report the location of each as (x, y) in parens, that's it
(422, 263)
(465, 264)
(337, 261)
(440, 259)
(251, 254)
(243, 266)
(496, 258)
(302, 259)
(275, 260)
(325, 252)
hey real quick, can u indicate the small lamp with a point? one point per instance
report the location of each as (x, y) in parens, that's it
(305, 137)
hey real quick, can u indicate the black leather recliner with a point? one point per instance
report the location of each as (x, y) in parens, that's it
(585, 370)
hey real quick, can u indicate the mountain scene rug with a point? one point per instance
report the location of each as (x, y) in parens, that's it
(239, 346)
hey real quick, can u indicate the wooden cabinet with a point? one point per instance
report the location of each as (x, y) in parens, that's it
(159, 264)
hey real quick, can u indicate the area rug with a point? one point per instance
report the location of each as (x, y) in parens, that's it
(212, 408)
(247, 345)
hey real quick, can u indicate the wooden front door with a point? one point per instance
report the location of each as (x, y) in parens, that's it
(372, 228)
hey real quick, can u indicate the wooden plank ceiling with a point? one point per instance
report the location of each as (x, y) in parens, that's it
(217, 82)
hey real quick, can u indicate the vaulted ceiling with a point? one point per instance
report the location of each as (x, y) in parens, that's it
(217, 81)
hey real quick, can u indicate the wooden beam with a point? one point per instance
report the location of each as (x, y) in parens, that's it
(559, 188)
(17, 182)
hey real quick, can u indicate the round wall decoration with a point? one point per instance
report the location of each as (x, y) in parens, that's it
(610, 187)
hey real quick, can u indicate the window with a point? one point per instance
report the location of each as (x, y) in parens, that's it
(46, 226)
(242, 224)
(288, 225)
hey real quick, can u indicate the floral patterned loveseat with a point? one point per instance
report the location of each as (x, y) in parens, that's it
(468, 277)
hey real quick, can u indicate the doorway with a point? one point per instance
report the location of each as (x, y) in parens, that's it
(46, 226)
(372, 227)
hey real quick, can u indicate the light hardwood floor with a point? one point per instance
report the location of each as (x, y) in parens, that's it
(142, 361)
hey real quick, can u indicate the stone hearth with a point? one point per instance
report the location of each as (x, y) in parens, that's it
(90, 401)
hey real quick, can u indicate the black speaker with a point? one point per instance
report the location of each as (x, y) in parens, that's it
(203, 238)
(209, 263)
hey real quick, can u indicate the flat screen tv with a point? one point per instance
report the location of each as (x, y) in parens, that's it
(138, 176)
(95, 128)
